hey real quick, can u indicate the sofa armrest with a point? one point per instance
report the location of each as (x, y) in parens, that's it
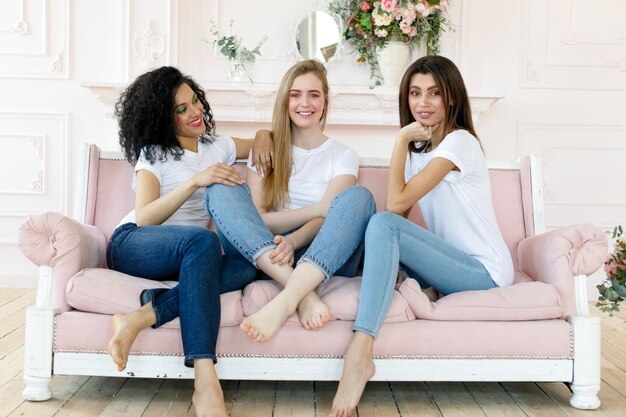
(64, 245)
(558, 256)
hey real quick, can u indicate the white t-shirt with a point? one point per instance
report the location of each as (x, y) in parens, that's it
(172, 173)
(313, 169)
(459, 209)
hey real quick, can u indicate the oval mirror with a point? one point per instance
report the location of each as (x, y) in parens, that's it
(318, 36)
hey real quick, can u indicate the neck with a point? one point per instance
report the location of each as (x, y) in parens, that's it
(190, 144)
(309, 138)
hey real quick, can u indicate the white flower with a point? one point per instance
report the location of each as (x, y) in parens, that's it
(381, 33)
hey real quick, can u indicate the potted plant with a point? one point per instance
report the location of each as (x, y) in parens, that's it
(372, 25)
(241, 58)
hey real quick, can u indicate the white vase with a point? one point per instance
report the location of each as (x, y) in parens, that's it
(392, 61)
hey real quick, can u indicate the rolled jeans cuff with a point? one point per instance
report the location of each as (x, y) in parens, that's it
(264, 247)
(360, 329)
(316, 263)
(189, 359)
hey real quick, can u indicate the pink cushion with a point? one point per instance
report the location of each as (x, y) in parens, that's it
(522, 301)
(340, 294)
(99, 290)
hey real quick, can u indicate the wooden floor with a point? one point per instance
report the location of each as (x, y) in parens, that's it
(99, 396)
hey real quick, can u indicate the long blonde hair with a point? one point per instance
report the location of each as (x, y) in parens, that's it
(276, 182)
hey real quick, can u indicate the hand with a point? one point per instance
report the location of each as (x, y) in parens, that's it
(417, 132)
(219, 173)
(400, 277)
(283, 254)
(263, 151)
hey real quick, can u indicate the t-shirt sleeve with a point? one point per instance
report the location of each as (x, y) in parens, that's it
(347, 163)
(457, 148)
(409, 170)
(144, 164)
(230, 150)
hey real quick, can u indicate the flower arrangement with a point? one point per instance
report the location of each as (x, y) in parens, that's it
(613, 289)
(371, 24)
(231, 47)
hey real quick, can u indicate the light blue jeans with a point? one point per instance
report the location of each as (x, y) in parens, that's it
(390, 241)
(335, 249)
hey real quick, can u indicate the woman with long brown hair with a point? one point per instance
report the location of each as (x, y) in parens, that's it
(446, 174)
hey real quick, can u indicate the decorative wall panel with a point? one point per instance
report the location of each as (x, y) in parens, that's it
(574, 44)
(152, 35)
(34, 150)
(33, 39)
(582, 171)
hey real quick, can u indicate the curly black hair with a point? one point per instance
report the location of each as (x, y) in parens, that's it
(145, 113)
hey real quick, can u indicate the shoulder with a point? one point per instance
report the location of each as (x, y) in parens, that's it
(220, 141)
(341, 149)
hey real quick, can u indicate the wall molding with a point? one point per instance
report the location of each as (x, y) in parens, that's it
(566, 45)
(349, 106)
(37, 45)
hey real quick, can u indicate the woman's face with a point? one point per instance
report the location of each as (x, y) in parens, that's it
(426, 102)
(188, 115)
(306, 101)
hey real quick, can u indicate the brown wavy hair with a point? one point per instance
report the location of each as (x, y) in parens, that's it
(276, 182)
(453, 93)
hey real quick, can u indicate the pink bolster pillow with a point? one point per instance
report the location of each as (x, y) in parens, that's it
(104, 291)
(517, 302)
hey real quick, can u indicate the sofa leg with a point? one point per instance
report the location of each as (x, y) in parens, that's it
(587, 362)
(37, 388)
(38, 353)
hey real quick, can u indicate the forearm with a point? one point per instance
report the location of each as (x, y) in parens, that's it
(161, 209)
(305, 235)
(396, 200)
(280, 222)
(243, 147)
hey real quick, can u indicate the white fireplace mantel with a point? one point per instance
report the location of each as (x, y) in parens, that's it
(255, 103)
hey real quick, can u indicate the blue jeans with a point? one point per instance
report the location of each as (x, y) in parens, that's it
(390, 241)
(336, 247)
(189, 254)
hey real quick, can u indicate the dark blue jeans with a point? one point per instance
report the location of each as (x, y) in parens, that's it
(192, 255)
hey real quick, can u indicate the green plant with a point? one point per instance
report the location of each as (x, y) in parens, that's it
(231, 46)
(372, 24)
(613, 289)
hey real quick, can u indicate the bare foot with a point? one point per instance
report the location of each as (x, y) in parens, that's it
(358, 368)
(208, 398)
(124, 334)
(208, 401)
(313, 313)
(126, 327)
(262, 325)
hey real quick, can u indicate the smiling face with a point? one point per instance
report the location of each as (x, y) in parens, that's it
(188, 114)
(306, 101)
(426, 102)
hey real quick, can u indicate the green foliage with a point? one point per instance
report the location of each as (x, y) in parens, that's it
(612, 291)
(371, 24)
(231, 47)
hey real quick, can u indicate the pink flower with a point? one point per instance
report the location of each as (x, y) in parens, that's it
(389, 5)
(365, 6)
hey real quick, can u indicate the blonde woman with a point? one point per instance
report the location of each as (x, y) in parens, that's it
(312, 213)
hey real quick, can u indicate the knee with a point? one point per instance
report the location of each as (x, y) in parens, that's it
(381, 223)
(217, 193)
(358, 197)
(204, 241)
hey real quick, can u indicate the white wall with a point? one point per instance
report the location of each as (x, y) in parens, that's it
(559, 67)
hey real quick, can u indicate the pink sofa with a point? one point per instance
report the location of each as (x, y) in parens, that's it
(538, 329)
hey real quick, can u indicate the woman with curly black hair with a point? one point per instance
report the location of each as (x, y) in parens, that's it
(167, 131)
